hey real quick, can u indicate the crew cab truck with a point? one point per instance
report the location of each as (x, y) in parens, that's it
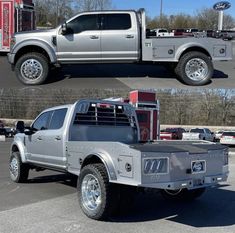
(199, 134)
(113, 37)
(98, 141)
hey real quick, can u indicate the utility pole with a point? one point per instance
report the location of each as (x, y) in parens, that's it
(57, 12)
(161, 13)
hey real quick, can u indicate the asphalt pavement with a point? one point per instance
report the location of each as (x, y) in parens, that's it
(119, 76)
(48, 204)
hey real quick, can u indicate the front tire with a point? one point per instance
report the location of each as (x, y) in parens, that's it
(95, 193)
(32, 68)
(182, 194)
(18, 171)
(195, 68)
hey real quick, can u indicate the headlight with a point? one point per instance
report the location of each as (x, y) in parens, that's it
(155, 165)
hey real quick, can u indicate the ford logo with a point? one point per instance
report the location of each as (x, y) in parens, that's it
(221, 6)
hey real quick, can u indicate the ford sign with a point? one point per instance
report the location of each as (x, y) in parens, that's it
(221, 6)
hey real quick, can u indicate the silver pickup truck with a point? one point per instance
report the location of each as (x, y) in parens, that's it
(113, 37)
(98, 141)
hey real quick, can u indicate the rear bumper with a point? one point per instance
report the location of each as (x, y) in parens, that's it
(204, 181)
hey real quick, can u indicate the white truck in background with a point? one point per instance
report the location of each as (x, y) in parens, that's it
(199, 134)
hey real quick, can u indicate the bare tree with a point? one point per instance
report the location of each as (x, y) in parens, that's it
(88, 5)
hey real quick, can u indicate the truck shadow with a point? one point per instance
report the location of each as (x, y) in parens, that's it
(117, 71)
(214, 209)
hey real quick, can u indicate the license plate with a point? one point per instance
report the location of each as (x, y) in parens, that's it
(198, 166)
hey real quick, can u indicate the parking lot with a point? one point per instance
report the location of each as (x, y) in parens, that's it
(48, 203)
(119, 76)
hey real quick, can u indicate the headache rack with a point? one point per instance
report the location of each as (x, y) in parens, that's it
(105, 114)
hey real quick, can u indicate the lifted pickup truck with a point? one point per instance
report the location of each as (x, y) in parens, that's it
(113, 37)
(98, 141)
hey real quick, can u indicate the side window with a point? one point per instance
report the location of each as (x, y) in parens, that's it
(42, 122)
(117, 21)
(57, 119)
(83, 23)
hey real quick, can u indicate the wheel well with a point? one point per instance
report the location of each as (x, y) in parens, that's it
(15, 148)
(31, 49)
(91, 159)
(196, 49)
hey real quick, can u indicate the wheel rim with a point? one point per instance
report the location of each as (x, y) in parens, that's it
(173, 192)
(14, 168)
(31, 69)
(196, 69)
(91, 192)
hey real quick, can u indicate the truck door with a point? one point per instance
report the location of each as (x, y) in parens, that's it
(82, 40)
(119, 37)
(47, 145)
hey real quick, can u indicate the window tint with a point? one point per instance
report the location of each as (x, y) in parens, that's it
(57, 119)
(229, 134)
(42, 121)
(83, 23)
(196, 131)
(117, 21)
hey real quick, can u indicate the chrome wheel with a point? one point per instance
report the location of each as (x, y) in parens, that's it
(91, 192)
(31, 69)
(196, 69)
(14, 168)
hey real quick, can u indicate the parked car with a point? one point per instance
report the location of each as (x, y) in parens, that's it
(177, 133)
(9, 132)
(3, 131)
(218, 135)
(199, 134)
(228, 138)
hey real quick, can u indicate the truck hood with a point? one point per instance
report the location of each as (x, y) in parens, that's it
(34, 32)
(177, 146)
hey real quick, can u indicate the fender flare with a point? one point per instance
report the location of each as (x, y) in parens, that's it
(106, 160)
(21, 149)
(198, 47)
(36, 43)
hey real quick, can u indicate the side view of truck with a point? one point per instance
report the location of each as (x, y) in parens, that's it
(113, 37)
(199, 134)
(98, 141)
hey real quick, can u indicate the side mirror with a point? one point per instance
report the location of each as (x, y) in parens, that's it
(64, 29)
(29, 131)
(20, 127)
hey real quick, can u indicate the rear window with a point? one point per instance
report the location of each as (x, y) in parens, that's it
(117, 21)
(229, 134)
(196, 131)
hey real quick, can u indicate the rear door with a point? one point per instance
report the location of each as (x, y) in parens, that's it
(119, 37)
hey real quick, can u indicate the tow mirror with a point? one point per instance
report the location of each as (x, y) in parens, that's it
(64, 29)
(20, 127)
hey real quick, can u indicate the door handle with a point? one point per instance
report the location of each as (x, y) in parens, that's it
(39, 138)
(129, 36)
(58, 138)
(94, 37)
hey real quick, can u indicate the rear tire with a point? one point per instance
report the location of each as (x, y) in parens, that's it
(32, 68)
(182, 194)
(18, 171)
(96, 195)
(195, 68)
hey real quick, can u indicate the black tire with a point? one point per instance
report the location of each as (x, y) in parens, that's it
(18, 171)
(182, 194)
(107, 202)
(202, 60)
(37, 74)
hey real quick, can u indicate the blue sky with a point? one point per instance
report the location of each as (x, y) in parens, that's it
(170, 7)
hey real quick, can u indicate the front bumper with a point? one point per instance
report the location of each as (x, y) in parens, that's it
(11, 58)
